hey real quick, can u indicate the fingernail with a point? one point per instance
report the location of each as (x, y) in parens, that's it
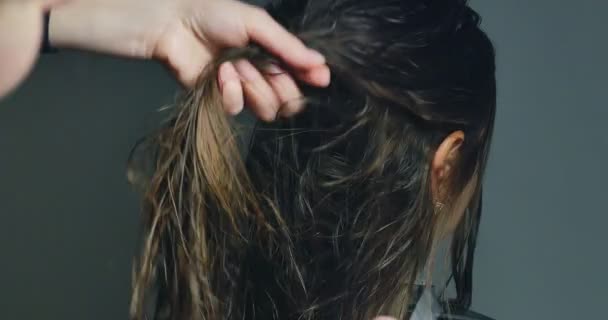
(291, 108)
(316, 56)
(246, 70)
(227, 73)
(233, 97)
(273, 69)
(325, 79)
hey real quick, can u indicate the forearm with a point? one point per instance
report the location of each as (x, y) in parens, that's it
(98, 25)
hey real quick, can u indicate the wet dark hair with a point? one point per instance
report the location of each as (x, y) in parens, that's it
(332, 214)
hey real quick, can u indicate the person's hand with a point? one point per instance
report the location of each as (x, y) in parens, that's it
(186, 34)
(20, 35)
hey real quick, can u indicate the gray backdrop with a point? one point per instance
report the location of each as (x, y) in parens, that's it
(69, 220)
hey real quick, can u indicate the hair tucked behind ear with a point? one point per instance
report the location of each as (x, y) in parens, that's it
(332, 216)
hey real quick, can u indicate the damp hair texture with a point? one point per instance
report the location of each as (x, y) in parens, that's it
(330, 215)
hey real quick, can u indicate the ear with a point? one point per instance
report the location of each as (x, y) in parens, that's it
(443, 163)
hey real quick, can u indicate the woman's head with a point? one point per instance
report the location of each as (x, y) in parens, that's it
(336, 211)
(424, 64)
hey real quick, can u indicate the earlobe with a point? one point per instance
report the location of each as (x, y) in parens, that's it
(443, 161)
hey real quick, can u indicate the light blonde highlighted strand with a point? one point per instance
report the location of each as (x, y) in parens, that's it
(198, 170)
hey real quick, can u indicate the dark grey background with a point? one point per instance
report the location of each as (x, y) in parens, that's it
(542, 252)
(69, 220)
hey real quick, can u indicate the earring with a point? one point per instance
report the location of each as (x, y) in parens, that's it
(438, 207)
